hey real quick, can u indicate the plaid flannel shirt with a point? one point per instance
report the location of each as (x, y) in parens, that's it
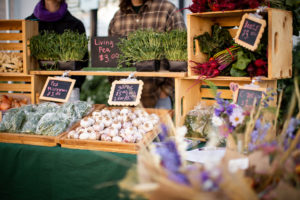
(159, 15)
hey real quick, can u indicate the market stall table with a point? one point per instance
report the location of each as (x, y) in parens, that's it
(37, 172)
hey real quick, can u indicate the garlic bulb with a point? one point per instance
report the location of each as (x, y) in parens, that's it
(117, 139)
(84, 136)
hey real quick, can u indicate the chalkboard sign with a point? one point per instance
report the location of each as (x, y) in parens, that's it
(105, 52)
(57, 89)
(127, 93)
(250, 31)
(246, 96)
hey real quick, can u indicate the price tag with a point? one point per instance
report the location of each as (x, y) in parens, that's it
(250, 31)
(245, 96)
(126, 92)
(105, 52)
(57, 89)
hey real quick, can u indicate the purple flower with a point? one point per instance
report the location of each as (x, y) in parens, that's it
(179, 178)
(219, 111)
(170, 158)
(290, 132)
(164, 132)
(210, 180)
(229, 109)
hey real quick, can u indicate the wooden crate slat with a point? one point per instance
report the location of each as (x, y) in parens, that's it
(11, 46)
(10, 24)
(15, 87)
(224, 13)
(28, 139)
(16, 78)
(10, 36)
(225, 94)
(227, 21)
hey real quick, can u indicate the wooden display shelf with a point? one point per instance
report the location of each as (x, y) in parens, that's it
(189, 93)
(280, 31)
(130, 148)
(108, 73)
(14, 36)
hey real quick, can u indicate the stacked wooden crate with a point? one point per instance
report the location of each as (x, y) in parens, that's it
(14, 39)
(188, 93)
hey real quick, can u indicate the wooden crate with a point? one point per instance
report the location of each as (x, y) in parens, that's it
(18, 86)
(14, 37)
(280, 33)
(188, 95)
(34, 139)
(131, 148)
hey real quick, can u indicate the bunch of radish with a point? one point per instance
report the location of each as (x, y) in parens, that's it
(217, 63)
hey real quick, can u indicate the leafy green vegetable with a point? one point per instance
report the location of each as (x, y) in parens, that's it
(69, 46)
(174, 45)
(242, 61)
(236, 72)
(219, 40)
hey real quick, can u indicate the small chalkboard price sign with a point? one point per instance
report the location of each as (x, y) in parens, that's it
(250, 31)
(125, 92)
(245, 96)
(105, 52)
(57, 89)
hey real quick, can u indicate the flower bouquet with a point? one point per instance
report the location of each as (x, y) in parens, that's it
(272, 168)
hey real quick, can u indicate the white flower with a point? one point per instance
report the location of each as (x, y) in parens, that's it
(217, 121)
(236, 117)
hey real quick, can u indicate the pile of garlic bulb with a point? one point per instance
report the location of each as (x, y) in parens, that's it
(117, 125)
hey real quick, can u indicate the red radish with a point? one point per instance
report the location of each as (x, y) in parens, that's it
(260, 72)
(260, 63)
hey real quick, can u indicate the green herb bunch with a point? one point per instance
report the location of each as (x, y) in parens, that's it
(174, 45)
(139, 46)
(69, 46)
(219, 40)
(150, 45)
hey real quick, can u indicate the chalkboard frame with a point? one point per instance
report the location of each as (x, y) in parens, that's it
(260, 33)
(236, 93)
(72, 81)
(122, 103)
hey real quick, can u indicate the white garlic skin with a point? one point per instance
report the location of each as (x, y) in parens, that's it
(85, 123)
(84, 136)
(117, 139)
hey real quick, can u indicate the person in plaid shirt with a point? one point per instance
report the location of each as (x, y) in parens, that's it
(159, 15)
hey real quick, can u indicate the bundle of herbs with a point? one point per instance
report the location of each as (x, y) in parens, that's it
(219, 39)
(141, 45)
(69, 46)
(174, 45)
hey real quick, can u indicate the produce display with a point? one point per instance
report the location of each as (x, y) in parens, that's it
(43, 119)
(227, 58)
(11, 62)
(10, 102)
(116, 125)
